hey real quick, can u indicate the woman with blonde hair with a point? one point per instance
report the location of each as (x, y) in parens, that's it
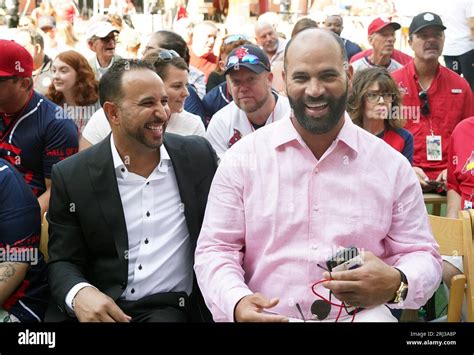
(375, 105)
(74, 87)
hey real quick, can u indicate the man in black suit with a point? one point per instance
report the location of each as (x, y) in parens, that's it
(125, 214)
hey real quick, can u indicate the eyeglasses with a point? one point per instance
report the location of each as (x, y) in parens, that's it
(425, 106)
(167, 55)
(233, 38)
(249, 58)
(374, 96)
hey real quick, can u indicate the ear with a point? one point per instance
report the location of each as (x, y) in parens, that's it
(112, 113)
(270, 78)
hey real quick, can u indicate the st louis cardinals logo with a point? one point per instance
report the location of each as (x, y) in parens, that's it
(235, 138)
(469, 166)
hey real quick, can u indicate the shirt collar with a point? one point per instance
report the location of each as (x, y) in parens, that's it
(288, 133)
(121, 170)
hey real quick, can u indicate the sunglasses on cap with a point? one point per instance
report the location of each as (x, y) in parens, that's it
(234, 38)
(248, 58)
(425, 106)
(167, 55)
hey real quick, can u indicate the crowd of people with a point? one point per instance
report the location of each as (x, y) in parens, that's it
(213, 178)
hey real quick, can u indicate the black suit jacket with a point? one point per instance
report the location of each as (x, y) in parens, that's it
(88, 238)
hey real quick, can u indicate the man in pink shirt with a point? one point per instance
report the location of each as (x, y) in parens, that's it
(286, 197)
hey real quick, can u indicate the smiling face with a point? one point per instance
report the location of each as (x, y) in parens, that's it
(104, 47)
(64, 76)
(175, 86)
(317, 83)
(142, 115)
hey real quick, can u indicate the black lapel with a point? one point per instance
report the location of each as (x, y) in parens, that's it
(184, 176)
(104, 184)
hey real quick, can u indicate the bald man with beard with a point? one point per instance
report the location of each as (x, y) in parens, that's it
(278, 207)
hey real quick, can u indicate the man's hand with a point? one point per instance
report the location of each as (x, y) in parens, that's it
(422, 178)
(372, 284)
(442, 178)
(91, 305)
(249, 309)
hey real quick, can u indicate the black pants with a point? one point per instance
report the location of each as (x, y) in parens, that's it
(160, 307)
(462, 64)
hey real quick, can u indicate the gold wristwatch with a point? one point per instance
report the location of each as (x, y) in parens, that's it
(402, 291)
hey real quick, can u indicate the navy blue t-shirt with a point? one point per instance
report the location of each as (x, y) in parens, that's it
(42, 136)
(20, 228)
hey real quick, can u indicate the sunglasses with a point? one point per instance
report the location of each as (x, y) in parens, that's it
(113, 36)
(249, 58)
(235, 38)
(374, 96)
(425, 106)
(167, 55)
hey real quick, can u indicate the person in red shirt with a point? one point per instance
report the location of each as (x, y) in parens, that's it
(202, 47)
(435, 100)
(461, 168)
(460, 184)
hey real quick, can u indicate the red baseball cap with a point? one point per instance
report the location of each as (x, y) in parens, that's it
(15, 60)
(379, 23)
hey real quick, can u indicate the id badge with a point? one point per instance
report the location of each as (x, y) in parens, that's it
(467, 205)
(433, 148)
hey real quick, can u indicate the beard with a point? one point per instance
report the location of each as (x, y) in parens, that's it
(321, 124)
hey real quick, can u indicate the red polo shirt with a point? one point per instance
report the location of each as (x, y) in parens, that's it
(450, 101)
(461, 161)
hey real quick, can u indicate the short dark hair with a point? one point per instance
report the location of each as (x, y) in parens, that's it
(336, 38)
(303, 24)
(172, 40)
(110, 85)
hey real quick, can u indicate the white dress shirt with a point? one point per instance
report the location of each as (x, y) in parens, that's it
(160, 258)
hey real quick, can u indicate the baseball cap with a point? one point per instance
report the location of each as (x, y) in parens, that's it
(423, 20)
(46, 22)
(248, 56)
(100, 29)
(379, 23)
(15, 60)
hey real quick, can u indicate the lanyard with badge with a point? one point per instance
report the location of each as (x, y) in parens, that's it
(433, 142)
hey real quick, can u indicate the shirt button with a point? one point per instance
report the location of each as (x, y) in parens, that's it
(123, 170)
(181, 207)
(315, 208)
(140, 267)
(132, 290)
(123, 285)
(316, 170)
(146, 241)
(148, 213)
(148, 183)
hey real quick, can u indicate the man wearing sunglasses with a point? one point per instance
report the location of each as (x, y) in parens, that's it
(288, 196)
(435, 100)
(254, 103)
(101, 38)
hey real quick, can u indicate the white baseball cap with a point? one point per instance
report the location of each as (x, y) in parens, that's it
(100, 29)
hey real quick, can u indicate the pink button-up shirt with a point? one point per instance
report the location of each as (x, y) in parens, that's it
(275, 211)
